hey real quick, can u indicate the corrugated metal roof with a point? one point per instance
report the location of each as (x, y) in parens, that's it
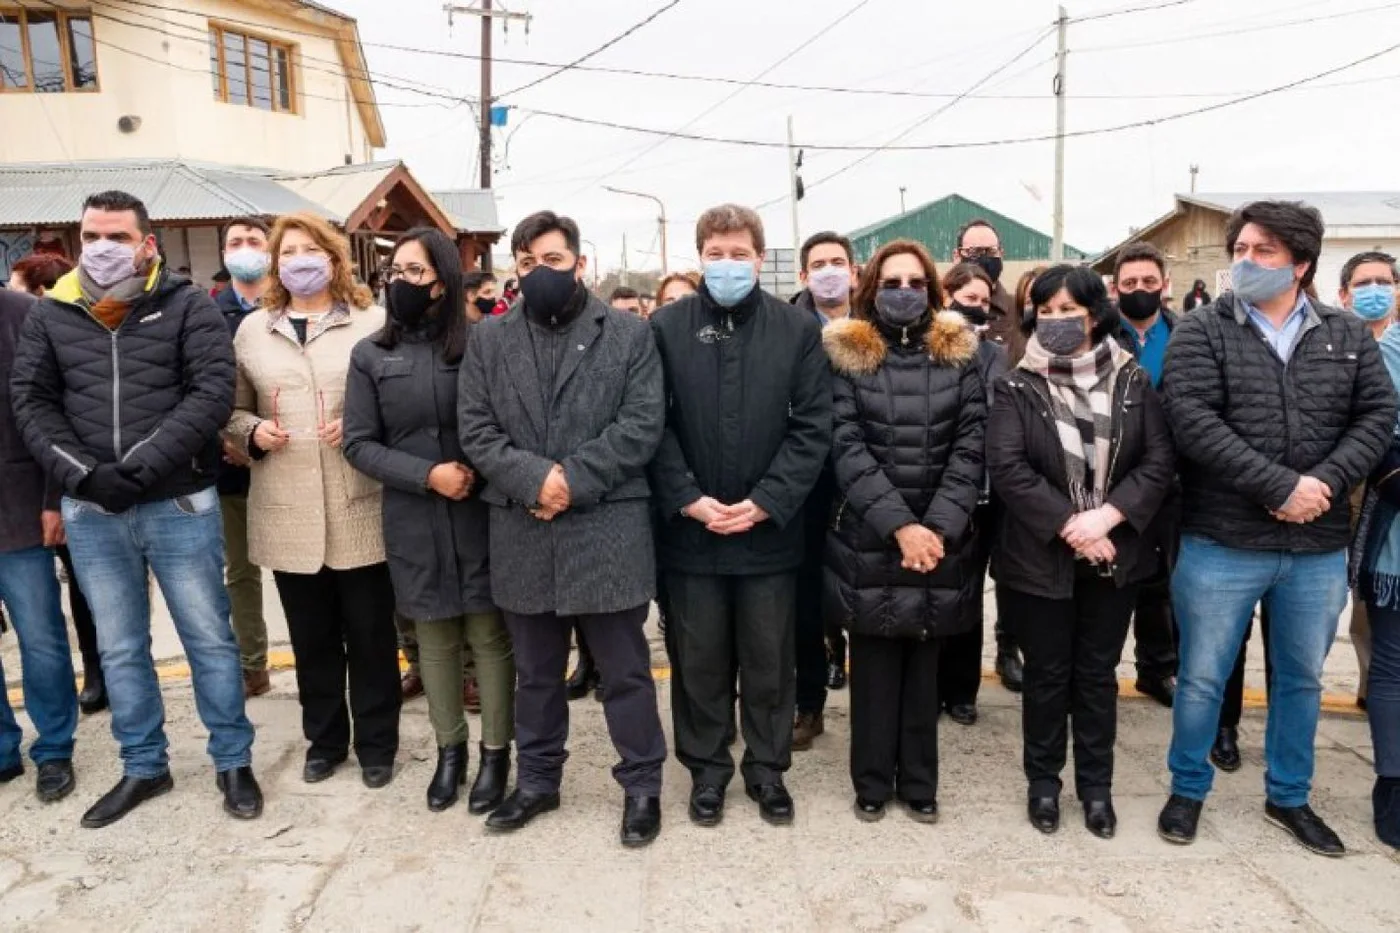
(936, 226)
(473, 210)
(1339, 208)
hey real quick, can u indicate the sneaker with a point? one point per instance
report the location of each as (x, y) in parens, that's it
(1306, 827)
(805, 729)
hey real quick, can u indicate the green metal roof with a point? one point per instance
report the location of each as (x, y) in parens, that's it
(936, 225)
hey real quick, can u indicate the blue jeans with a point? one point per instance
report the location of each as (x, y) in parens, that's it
(1383, 690)
(181, 542)
(29, 588)
(1215, 590)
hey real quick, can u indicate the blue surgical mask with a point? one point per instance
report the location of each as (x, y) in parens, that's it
(729, 281)
(1373, 302)
(1256, 284)
(247, 265)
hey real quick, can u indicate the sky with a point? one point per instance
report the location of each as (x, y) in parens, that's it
(1336, 133)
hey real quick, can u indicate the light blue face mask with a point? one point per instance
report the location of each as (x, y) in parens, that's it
(1254, 283)
(1373, 302)
(729, 281)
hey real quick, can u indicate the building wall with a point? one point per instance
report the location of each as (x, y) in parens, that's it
(158, 69)
(936, 226)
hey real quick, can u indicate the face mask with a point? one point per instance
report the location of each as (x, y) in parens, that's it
(990, 265)
(487, 306)
(247, 265)
(830, 285)
(1060, 336)
(1373, 302)
(729, 281)
(547, 292)
(1139, 306)
(409, 303)
(974, 314)
(901, 307)
(305, 276)
(1255, 283)
(107, 262)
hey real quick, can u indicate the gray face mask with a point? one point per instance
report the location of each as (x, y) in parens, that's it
(1060, 336)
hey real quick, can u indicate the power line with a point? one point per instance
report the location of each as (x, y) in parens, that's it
(1124, 11)
(1234, 33)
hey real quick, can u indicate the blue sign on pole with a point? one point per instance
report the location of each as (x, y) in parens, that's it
(498, 115)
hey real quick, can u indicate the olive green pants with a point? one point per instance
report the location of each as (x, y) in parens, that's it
(440, 648)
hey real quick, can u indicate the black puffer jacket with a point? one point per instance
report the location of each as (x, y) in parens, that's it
(908, 448)
(1247, 426)
(153, 393)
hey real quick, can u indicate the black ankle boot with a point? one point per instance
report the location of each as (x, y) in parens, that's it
(489, 789)
(585, 678)
(1385, 805)
(93, 697)
(451, 774)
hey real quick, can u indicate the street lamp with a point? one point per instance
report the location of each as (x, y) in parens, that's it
(594, 247)
(661, 220)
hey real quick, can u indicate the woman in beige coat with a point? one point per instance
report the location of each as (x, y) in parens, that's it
(312, 518)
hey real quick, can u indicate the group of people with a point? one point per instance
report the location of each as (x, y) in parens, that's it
(791, 483)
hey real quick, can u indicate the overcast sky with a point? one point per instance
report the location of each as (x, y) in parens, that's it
(1340, 135)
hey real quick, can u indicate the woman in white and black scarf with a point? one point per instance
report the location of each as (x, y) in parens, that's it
(1079, 451)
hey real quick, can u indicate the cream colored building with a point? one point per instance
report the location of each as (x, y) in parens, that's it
(273, 84)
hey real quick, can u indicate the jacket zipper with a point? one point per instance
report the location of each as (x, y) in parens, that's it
(141, 443)
(116, 400)
(1118, 435)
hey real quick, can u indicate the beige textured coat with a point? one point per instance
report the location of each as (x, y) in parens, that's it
(307, 507)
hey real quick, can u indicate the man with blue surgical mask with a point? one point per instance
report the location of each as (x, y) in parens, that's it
(748, 427)
(1280, 407)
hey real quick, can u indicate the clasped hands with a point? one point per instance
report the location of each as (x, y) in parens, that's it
(554, 495)
(724, 519)
(271, 437)
(920, 548)
(1309, 499)
(451, 480)
(1087, 533)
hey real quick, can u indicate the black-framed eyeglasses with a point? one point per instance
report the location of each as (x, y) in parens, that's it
(980, 252)
(916, 283)
(413, 273)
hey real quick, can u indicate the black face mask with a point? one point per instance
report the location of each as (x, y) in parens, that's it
(1139, 306)
(548, 293)
(974, 314)
(990, 265)
(487, 306)
(408, 303)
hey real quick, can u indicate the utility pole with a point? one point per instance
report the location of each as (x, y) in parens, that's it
(1195, 170)
(902, 189)
(660, 220)
(1057, 247)
(624, 260)
(792, 187)
(487, 14)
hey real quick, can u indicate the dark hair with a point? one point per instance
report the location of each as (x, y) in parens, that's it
(625, 293)
(961, 274)
(537, 225)
(826, 236)
(974, 222)
(42, 270)
(1140, 252)
(1023, 287)
(472, 281)
(222, 276)
(729, 218)
(1361, 259)
(447, 263)
(1086, 287)
(120, 201)
(1298, 227)
(863, 304)
(255, 223)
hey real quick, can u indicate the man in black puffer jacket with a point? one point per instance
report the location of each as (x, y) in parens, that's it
(1280, 407)
(123, 379)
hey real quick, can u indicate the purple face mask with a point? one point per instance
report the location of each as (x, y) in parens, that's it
(305, 276)
(108, 262)
(830, 285)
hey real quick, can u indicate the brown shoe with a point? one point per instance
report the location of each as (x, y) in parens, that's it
(256, 683)
(805, 728)
(412, 685)
(471, 696)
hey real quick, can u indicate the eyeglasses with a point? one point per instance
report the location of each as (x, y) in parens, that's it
(916, 283)
(980, 252)
(412, 273)
(298, 432)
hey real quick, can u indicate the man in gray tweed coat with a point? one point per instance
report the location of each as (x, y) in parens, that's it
(561, 409)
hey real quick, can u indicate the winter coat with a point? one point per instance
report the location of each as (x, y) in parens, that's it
(748, 416)
(152, 394)
(1247, 426)
(907, 448)
(1194, 301)
(233, 480)
(1004, 324)
(308, 508)
(602, 422)
(1027, 464)
(24, 489)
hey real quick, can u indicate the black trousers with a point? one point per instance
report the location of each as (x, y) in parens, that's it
(1071, 649)
(960, 659)
(894, 718)
(619, 648)
(810, 631)
(1154, 628)
(78, 608)
(342, 623)
(1005, 628)
(718, 623)
(1232, 707)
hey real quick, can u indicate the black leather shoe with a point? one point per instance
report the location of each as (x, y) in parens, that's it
(835, 676)
(870, 811)
(451, 774)
(55, 780)
(922, 811)
(641, 821)
(1385, 810)
(1177, 822)
(317, 770)
(964, 714)
(1100, 819)
(93, 697)
(1009, 670)
(127, 795)
(774, 803)
(1226, 750)
(9, 774)
(585, 678)
(1161, 689)
(243, 797)
(706, 804)
(376, 776)
(489, 788)
(1044, 813)
(520, 808)
(1307, 827)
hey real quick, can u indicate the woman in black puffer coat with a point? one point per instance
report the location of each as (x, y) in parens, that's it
(909, 408)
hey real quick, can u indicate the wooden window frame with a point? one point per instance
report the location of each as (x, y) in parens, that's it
(217, 32)
(65, 50)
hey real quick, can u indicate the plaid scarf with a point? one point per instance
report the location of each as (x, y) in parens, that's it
(1081, 401)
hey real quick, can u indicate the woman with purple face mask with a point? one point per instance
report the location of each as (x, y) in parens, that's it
(312, 518)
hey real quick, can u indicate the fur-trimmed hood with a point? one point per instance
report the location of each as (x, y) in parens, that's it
(857, 348)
